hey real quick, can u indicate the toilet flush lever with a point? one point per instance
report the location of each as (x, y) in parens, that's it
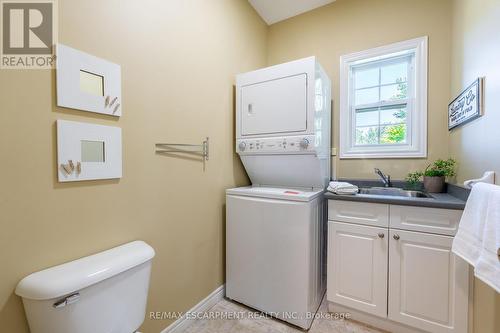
(73, 298)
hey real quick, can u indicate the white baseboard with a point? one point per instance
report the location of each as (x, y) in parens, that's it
(204, 305)
(372, 320)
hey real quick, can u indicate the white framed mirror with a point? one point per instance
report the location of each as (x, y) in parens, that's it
(87, 83)
(87, 151)
(93, 151)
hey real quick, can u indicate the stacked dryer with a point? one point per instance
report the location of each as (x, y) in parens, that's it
(275, 251)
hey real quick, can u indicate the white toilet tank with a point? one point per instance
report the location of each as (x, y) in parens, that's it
(102, 293)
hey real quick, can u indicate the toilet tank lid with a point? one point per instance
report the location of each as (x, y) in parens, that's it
(75, 275)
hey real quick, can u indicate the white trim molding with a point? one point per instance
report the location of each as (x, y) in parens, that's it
(204, 305)
(372, 320)
(417, 118)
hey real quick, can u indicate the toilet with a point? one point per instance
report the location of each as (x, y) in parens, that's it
(102, 293)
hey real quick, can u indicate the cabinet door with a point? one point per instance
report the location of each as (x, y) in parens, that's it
(428, 284)
(357, 267)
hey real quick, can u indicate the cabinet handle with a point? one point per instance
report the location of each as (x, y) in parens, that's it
(396, 236)
(381, 235)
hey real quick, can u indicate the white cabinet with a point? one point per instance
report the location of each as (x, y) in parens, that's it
(428, 284)
(407, 277)
(357, 274)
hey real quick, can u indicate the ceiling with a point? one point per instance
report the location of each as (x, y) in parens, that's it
(273, 11)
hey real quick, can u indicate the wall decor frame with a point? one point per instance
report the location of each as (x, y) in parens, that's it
(88, 151)
(87, 83)
(467, 106)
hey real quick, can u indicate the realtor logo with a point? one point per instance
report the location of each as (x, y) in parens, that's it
(28, 34)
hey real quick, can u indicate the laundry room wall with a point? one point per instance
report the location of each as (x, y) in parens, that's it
(476, 145)
(347, 26)
(179, 60)
(476, 50)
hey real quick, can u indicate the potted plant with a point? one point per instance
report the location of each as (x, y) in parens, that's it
(434, 175)
(413, 180)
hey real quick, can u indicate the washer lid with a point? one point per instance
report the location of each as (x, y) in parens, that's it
(274, 193)
(70, 277)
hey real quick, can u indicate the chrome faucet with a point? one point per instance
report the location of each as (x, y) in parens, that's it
(386, 179)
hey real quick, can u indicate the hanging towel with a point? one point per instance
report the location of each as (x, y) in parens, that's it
(478, 238)
(342, 188)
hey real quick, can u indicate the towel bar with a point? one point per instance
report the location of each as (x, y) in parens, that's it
(185, 148)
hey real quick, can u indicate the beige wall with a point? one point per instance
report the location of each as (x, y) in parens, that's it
(178, 63)
(476, 145)
(476, 52)
(353, 25)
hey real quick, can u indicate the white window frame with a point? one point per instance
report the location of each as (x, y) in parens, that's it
(416, 146)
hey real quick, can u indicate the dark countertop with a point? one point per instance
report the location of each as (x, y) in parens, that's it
(455, 197)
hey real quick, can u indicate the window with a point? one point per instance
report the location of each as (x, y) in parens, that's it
(383, 101)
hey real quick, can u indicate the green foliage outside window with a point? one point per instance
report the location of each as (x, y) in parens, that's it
(393, 134)
(397, 133)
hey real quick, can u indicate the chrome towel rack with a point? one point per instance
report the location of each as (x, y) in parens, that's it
(185, 148)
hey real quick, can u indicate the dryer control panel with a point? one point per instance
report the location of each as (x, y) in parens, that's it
(287, 144)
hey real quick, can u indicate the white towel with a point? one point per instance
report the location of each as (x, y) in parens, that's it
(478, 238)
(342, 188)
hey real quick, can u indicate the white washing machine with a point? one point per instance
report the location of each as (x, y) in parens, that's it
(275, 251)
(275, 239)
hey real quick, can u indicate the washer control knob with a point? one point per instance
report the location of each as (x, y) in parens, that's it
(304, 143)
(242, 145)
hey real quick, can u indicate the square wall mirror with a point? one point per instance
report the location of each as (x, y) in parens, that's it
(87, 83)
(87, 151)
(91, 83)
(93, 151)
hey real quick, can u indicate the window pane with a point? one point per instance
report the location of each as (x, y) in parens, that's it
(367, 135)
(394, 73)
(366, 77)
(367, 118)
(393, 134)
(366, 96)
(393, 92)
(393, 115)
